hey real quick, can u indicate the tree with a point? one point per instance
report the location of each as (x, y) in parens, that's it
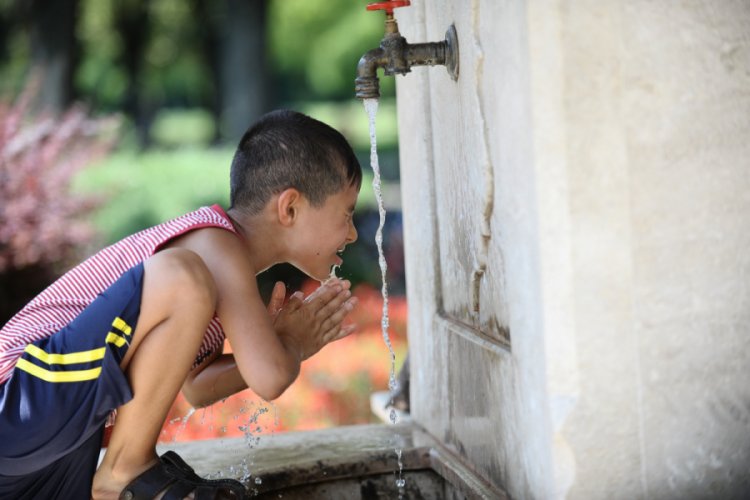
(131, 21)
(315, 46)
(53, 50)
(242, 68)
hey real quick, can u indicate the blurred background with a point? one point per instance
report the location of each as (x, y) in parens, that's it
(116, 115)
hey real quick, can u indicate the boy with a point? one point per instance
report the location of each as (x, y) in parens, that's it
(131, 326)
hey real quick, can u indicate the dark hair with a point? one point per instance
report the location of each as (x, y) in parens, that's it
(286, 149)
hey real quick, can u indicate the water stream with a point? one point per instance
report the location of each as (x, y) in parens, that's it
(371, 107)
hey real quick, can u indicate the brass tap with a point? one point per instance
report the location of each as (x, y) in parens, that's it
(396, 56)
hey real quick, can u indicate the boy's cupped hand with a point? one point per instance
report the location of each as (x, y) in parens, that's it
(306, 324)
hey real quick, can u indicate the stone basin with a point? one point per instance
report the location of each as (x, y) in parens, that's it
(351, 462)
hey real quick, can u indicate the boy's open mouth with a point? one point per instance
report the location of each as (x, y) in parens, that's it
(339, 260)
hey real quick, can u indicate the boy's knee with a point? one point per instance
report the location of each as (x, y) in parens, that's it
(185, 273)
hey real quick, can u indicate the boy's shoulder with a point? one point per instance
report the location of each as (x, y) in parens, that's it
(226, 257)
(219, 244)
(211, 223)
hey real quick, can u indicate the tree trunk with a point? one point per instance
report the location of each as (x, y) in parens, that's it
(242, 70)
(132, 23)
(208, 33)
(53, 50)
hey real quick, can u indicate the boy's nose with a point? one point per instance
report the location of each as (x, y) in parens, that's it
(352, 236)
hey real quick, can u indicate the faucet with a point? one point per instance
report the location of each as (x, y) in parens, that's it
(396, 56)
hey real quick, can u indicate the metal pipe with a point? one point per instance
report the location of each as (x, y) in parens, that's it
(426, 54)
(396, 56)
(366, 85)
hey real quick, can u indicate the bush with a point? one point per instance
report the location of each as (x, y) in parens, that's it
(40, 220)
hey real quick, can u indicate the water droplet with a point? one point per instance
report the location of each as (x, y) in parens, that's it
(189, 414)
(258, 480)
(333, 274)
(400, 482)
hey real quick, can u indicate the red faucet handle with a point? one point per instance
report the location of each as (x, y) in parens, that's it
(388, 6)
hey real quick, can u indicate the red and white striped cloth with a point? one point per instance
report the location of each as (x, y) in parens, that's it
(62, 301)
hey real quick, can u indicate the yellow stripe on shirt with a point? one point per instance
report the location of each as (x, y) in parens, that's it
(50, 376)
(120, 324)
(65, 359)
(113, 338)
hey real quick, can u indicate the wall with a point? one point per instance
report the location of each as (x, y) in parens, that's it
(589, 171)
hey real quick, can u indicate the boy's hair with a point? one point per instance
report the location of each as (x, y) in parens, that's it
(286, 149)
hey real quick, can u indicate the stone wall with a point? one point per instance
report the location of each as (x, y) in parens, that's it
(586, 184)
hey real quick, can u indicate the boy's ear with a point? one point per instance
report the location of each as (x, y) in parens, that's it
(288, 205)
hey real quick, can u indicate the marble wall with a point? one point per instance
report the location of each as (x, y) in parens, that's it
(577, 219)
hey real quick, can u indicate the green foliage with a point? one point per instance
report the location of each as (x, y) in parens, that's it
(318, 62)
(99, 74)
(172, 67)
(144, 189)
(14, 51)
(174, 60)
(313, 49)
(350, 118)
(329, 37)
(183, 127)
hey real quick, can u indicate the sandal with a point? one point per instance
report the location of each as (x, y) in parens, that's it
(173, 459)
(177, 479)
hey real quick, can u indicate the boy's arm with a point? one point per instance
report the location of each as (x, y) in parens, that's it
(217, 377)
(267, 350)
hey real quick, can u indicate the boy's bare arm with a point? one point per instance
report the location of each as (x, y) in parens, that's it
(267, 348)
(217, 376)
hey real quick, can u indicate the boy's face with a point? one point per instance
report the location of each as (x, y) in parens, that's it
(324, 232)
